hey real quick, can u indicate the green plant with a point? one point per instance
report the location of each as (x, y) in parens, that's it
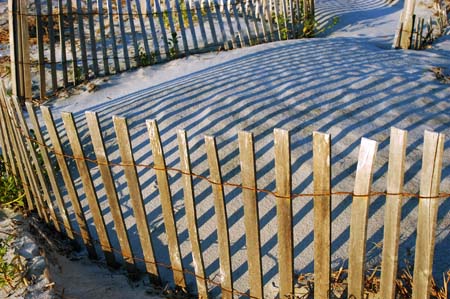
(78, 74)
(173, 45)
(11, 192)
(145, 59)
(11, 269)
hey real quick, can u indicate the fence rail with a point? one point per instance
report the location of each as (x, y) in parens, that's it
(78, 40)
(28, 155)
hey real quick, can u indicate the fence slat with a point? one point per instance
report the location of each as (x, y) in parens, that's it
(50, 170)
(134, 189)
(14, 152)
(166, 203)
(112, 34)
(251, 214)
(284, 212)
(221, 218)
(255, 22)
(123, 34)
(22, 156)
(7, 150)
(82, 38)
(67, 178)
(88, 187)
(62, 43)
(34, 158)
(51, 37)
(191, 215)
(111, 192)
(92, 37)
(393, 208)
(322, 214)
(242, 37)
(40, 46)
(359, 218)
(430, 179)
(73, 49)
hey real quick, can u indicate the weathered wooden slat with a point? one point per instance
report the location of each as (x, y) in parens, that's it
(82, 40)
(251, 214)
(284, 212)
(191, 215)
(149, 12)
(134, 189)
(430, 180)
(92, 38)
(393, 208)
(25, 52)
(40, 46)
(189, 11)
(221, 218)
(7, 149)
(73, 49)
(88, 187)
(34, 159)
(62, 43)
(133, 32)
(267, 15)
(182, 28)
(67, 178)
(166, 203)
(13, 47)
(198, 11)
(322, 214)
(359, 217)
(123, 34)
(111, 192)
(13, 153)
(50, 170)
(22, 157)
(51, 37)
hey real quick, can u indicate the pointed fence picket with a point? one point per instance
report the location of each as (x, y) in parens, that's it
(19, 150)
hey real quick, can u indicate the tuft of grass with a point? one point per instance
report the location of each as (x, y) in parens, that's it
(11, 191)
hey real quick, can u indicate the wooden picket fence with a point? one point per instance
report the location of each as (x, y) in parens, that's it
(27, 156)
(80, 39)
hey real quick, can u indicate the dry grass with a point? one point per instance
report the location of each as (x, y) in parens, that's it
(339, 285)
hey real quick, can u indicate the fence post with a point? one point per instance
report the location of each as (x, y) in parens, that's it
(19, 49)
(430, 180)
(406, 20)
